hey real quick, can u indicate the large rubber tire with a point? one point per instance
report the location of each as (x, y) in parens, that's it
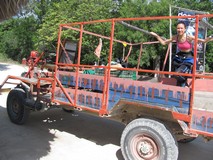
(17, 112)
(146, 139)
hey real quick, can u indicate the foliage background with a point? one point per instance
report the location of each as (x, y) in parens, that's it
(36, 27)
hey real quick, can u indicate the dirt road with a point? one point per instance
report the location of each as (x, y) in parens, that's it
(55, 135)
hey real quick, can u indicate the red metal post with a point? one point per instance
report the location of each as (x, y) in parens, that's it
(194, 67)
(107, 75)
(166, 57)
(78, 63)
(56, 63)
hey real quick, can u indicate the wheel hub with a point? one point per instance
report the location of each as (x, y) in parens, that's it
(15, 107)
(145, 148)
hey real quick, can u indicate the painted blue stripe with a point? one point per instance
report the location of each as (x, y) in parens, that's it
(132, 93)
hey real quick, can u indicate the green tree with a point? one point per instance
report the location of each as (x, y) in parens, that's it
(138, 8)
(16, 37)
(36, 27)
(75, 11)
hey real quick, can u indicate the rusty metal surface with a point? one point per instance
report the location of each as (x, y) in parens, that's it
(104, 92)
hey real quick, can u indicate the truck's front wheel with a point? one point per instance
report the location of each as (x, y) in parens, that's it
(146, 139)
(16, 110)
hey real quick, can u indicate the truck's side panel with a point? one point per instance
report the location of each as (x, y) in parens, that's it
(202, 121)
(91, 91)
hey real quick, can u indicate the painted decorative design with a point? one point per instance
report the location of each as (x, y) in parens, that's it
(202, 120)
(90, 92)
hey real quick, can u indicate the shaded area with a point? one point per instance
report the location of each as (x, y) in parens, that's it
(34, 139)
(22, 142)
(4, 67)
(196, 150)
(82, 125)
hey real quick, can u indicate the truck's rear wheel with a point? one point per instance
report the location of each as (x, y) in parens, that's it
(146, 139)
(16, 110)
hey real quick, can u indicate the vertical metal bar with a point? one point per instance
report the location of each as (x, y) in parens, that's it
(78, 62)
(58, 47)
(194, 66)
(170, 34)
(107, 75)
(166, 57)
(56, 63)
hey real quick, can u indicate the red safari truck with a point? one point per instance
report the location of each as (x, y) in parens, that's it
(157, 113)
